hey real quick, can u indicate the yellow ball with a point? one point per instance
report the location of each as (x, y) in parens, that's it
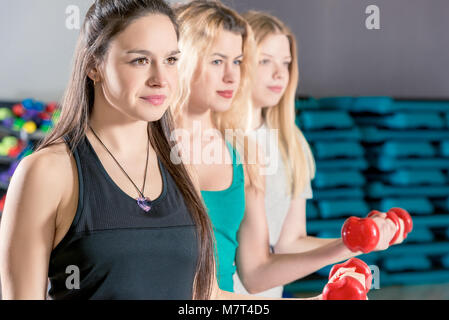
(29, 127)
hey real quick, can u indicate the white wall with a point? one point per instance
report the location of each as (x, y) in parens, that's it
(408, 56)
(36, 48)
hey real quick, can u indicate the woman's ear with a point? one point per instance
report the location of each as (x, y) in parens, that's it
(94, 75)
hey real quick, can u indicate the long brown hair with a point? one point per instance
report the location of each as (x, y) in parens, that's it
(295, 150)
(104, 20)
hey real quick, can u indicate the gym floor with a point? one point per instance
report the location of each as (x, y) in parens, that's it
(415, 292)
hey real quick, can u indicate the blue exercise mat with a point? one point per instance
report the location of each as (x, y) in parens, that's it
(373, 134)
(372, 104)
(311, 103)
(402, 263)
(444, 148)
(388, 164)
(417, 120)
(331, 233)
(353, 134)
(404, 177)
(400, 149)
(420, 235)
(416, 277)
(311, 210)
(339, 164)
(338, 193)
(319, 120)
(424, 105)
(332, 179)
(342, 208)
(445, 261)
(380, 190)
(337, 102)
(412, 205)
(336, 149)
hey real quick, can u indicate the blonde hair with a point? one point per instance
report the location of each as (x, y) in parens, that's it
(199, 23)
(282, 116)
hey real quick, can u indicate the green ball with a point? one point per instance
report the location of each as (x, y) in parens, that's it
(56, 115)
(4, 150)
(10, 141)
(5, 113)
(18, 124)
(45, 128)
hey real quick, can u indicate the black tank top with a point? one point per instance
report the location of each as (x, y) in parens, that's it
(121, 251)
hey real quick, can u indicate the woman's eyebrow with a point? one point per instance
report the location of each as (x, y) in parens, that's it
(144, 52)
(220, 55)
(269, 55)
(149, 53)
(174, 52)
(225, 56)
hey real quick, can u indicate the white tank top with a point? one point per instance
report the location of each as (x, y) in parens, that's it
(277, 200)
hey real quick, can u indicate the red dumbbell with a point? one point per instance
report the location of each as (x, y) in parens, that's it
(347, 287)
(405, 216)
(393, 217)
(360, 267)
(400, 214)
(362, 234)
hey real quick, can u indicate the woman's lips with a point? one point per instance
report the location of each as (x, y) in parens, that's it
(227, 94)
(276, 89)
(155, 100)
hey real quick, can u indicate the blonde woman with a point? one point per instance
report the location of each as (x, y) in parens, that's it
(288, 187)
(215, 69)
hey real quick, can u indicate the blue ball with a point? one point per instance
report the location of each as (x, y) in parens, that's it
(28, 103)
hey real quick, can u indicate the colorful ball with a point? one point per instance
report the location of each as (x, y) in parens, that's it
(10, 141)
(18, 124)
(18, 110)
(29, 127)
(5, 113)
(28, 103)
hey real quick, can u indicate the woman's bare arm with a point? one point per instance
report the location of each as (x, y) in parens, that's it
(28, 225)
(293, 237)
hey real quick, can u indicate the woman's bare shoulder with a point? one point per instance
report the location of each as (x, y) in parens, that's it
(46, 171)
(53, 161)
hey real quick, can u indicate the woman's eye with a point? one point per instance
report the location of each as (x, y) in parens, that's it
(217, 62)
(264, 61)
(238, 62)
(288, 63)
(172, 60)
(140, 61)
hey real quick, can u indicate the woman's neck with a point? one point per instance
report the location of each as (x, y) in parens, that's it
(117, 131)
(258, 119)
(196, 122)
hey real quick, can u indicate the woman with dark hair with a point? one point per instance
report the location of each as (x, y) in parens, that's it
(77, 210)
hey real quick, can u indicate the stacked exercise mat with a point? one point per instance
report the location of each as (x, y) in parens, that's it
(22, 124)
(379, 153)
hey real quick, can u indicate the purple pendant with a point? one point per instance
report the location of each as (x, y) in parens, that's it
(144, 203)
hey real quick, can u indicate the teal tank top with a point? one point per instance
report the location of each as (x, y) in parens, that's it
(226, 209)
